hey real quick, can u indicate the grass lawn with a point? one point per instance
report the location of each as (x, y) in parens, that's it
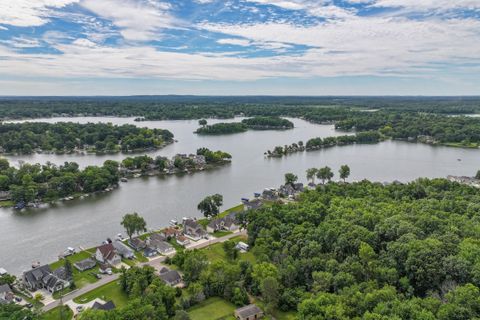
(111, 291)
(219, 234)
(80, 278)
(212, 309)
(6, 204)
(216, 252)
(55, 314)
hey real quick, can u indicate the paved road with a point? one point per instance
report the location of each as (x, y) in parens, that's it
(155, 262)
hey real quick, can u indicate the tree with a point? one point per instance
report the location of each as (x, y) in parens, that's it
(477, 176)
(344, 172)
(202, 122)
(181, 315)
(290, 178)
(270, 293)
(230, 249)
(325, 173)
(69, 272)
(210, 205)
(133, 223)
(311, 174)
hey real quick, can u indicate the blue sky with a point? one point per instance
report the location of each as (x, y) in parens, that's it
(237, 47)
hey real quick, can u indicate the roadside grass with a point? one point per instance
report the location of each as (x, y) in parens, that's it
(111, 291)
(215, 252)
(56, 314)
(212, 309)
(219, 234)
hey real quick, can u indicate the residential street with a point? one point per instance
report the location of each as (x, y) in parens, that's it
(156, 262)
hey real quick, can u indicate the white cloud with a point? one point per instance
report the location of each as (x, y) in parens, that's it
(425, 5)
(235, 42)
(29, 13)
(319, 8)
(137, 20)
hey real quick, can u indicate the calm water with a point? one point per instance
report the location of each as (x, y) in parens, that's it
(41, 234)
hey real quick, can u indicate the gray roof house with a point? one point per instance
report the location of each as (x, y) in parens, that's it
(137, 244)
(6, 294)
(107, 254)
(105, 307)
(85, 264)
(192, 230)
(253, 204)
(227, 223)
(249, 312)
(123, 250)
(171, 277)
(43, 278)
(150, 252)
(161, 246)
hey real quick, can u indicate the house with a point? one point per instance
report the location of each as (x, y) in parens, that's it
(42, 278)
(242, 246)
(252, 204)
(157, 237)
(137, 244)
(227, 223)
(192, 230)
(106, 254)
(170, 233)
(123, 250)
(149, 252)
(105, 307)
(5, 195)
(161, 246)
(61, 273)
(171, 277)
(183, 241)
(6, 294)
(85, 264)
(249, 312)
(270, 194)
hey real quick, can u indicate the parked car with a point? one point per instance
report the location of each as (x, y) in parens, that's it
(29, 305)
(18, 299)
(79, 308)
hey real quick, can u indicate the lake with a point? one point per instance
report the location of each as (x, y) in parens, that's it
(41, 234)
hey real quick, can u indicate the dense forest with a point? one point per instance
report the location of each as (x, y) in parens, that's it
(268, 123)
(67, 136)
(369, 251)
(222, 128)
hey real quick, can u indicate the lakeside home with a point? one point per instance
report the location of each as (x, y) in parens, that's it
(106, 254)
(42, 277)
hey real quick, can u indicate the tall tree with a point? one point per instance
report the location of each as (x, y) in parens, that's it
(311, 174)
(344, 172)
(210, 205)
(325, 173)
(290, 178)
(202, 122)
(133, 223)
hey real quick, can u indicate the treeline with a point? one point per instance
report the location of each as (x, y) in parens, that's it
(372, 251)
(196, 107)
(49, 182)
(319, 143)
(435, 129)
(267, 123)
(67, 136)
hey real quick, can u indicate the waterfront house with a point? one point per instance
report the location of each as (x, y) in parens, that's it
(137, 244)
(85, 264)
(183, 241)
(6, 294)
(5, 195)
(170, 233)
(227, 223)
(107, 306)
(270, 194)
(192, 230)
(106, 254)
(123, 250)
(171, 277)
(149, 252)
(157, 237)
(161, 246)
(249, 312)
(253, 204)
(61, 273)
(42, 278)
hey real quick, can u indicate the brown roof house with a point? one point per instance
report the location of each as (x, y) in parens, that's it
(249, 312)
(107, 254)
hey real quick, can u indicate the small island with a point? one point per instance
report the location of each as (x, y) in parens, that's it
(69, 137)
(255, 123)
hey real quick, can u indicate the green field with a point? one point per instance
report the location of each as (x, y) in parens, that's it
(55, 314)
(212, 309)
(111, 291)
(216, 252)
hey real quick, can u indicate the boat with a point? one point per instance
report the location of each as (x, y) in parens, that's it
(20, 205)
(124, 179)
(173, 222)
(120, 237)
(137, 175)
(3, 272)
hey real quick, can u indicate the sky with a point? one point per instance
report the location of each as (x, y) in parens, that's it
(240, 47)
